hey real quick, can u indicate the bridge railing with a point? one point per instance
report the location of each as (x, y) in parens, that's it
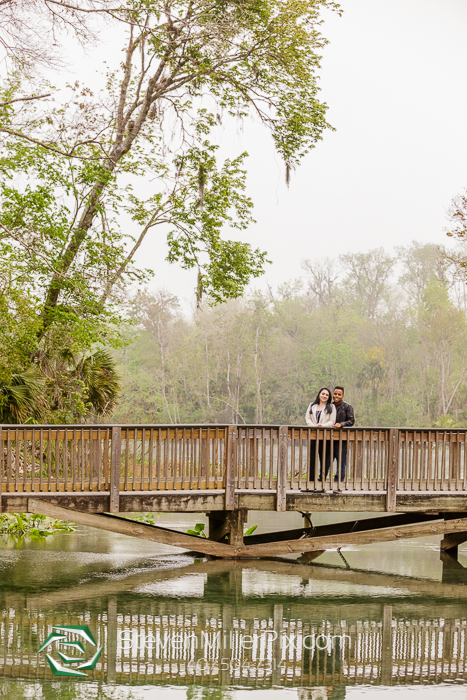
(245, 457)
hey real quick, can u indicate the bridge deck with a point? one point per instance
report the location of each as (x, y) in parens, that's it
(221, 470)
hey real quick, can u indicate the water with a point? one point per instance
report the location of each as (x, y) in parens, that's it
(384, 620)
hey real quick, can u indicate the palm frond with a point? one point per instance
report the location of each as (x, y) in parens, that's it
(22, 397)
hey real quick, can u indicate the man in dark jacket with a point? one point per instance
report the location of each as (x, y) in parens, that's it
(344, 419)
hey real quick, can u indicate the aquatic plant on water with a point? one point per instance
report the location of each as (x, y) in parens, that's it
(35, 525)
(198, 531)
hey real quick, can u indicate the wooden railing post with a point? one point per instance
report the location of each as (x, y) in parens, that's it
(2, 470)
(115, 468)
(281, 502)
(231, 435)
(393, 470)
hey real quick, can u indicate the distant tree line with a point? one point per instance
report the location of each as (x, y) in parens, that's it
(391, 328)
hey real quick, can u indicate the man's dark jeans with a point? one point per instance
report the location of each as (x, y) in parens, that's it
(343, 461)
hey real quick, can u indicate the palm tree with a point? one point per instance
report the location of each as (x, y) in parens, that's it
(22, 398)
(102, 382)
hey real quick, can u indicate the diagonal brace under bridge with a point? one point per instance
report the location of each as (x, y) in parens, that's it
(380, 533)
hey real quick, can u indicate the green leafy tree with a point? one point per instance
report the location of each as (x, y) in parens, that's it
(87, 180)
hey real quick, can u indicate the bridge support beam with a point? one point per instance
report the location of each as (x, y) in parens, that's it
(237, 548)
(227, 523)
(450, 543)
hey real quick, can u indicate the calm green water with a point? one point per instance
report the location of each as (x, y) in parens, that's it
(387, 620)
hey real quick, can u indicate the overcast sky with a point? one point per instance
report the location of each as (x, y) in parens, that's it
(394, 77)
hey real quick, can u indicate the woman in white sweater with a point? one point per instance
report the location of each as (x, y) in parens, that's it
(321, 413)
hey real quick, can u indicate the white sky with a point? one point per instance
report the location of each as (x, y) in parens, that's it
(394, 77)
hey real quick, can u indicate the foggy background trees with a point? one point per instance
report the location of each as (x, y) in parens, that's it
(391, 328)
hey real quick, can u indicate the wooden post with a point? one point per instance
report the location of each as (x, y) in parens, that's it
(237, 521)
(2, 461)
(231, 434)
(393, 470)
(115, 468)
(219, 525)
(451, 542)
(231, 523)
(281, 501)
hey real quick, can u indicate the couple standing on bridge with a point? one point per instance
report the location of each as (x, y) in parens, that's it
(326, 413)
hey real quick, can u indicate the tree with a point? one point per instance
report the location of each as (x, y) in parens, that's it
(322, 278)
(29, 29)
(457, 258)
(443, 336)
(367, 276)
(422, 263)
(372, 375)
(22, 398)
(84, 183)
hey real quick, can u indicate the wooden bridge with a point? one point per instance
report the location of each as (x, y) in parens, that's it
(416, 479)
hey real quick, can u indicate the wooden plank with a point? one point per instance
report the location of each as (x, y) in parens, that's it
(33, 459)
(390, 534)
(73, 460)
(115, 468)
(151, 457)
(65, 459)
(159, 458)
(290, 482)
(393, 469)
(8, 461)
(201, 501)
(219, 525)
(271, 458)
(2, 466)
(200, 457)
(143, 451)
(300, 459)
(281, 502)
(135, 443)
(16, 439)
(237, 520)
(231, 436)
(344, 527)
(81, 459)
(452, 540)
(116, 524)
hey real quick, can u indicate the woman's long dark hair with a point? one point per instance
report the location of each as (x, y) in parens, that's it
(317, 401)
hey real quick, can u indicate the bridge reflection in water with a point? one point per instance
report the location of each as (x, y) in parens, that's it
(206, 623)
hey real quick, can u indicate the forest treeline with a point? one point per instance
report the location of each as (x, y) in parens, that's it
(392, 328)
